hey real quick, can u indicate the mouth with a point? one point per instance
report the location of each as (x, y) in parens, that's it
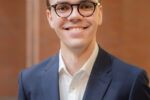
(75, 28)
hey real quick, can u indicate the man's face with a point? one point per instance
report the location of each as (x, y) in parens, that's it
(75, 31)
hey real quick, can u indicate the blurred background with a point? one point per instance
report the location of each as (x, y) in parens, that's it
(26, 38)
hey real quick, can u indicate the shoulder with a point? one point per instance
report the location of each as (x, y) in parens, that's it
(129, 79)
(37, 70)
(120, 67)
(132, 78)
(30, 79)
(124, 73)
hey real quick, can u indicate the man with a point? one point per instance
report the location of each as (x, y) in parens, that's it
(81, 70)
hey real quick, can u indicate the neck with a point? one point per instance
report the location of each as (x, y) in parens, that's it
(75, 59)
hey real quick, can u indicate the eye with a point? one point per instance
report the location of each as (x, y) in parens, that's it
(63, 7)
(86, 6)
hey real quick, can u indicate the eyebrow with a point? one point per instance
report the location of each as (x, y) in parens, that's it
(85, 0)
(59, 2)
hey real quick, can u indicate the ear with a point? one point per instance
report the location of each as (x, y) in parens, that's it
(49, 17)
(100, 14)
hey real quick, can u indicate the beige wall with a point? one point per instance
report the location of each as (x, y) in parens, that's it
(27, 39)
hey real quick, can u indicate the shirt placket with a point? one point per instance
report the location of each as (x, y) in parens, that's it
(75, 86)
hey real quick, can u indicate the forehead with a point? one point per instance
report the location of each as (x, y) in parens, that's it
(69, 1)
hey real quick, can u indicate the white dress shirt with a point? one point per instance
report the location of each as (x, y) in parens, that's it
(73, 87)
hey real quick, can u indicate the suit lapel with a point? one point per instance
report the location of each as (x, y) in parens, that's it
(100, 77)
(50, 82)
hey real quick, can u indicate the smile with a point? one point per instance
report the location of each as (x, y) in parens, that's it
(75, 28)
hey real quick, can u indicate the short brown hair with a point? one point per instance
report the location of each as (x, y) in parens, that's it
(48, 3)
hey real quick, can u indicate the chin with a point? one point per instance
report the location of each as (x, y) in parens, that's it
(77, 45)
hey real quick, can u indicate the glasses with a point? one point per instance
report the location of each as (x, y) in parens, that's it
(85, 8)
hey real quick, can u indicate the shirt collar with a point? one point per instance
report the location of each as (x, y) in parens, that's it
(87, 67)
(62, 66)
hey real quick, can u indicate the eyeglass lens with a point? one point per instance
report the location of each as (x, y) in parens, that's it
(86, 9)
(63, 10)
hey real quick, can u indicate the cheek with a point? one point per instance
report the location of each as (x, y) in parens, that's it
(96, 20)
(58, 27)
(58, 22)
(93, 21)
(55, 21)
(97, 17)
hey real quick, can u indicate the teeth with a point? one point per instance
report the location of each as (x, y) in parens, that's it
(76, 29)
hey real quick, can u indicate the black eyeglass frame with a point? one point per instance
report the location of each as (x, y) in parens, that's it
(78, 5)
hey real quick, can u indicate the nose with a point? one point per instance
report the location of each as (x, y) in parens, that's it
(75, 15)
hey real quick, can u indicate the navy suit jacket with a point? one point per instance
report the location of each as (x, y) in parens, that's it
(110, 79)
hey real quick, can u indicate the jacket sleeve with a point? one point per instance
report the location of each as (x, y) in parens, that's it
(140, 89)
(21, 92)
